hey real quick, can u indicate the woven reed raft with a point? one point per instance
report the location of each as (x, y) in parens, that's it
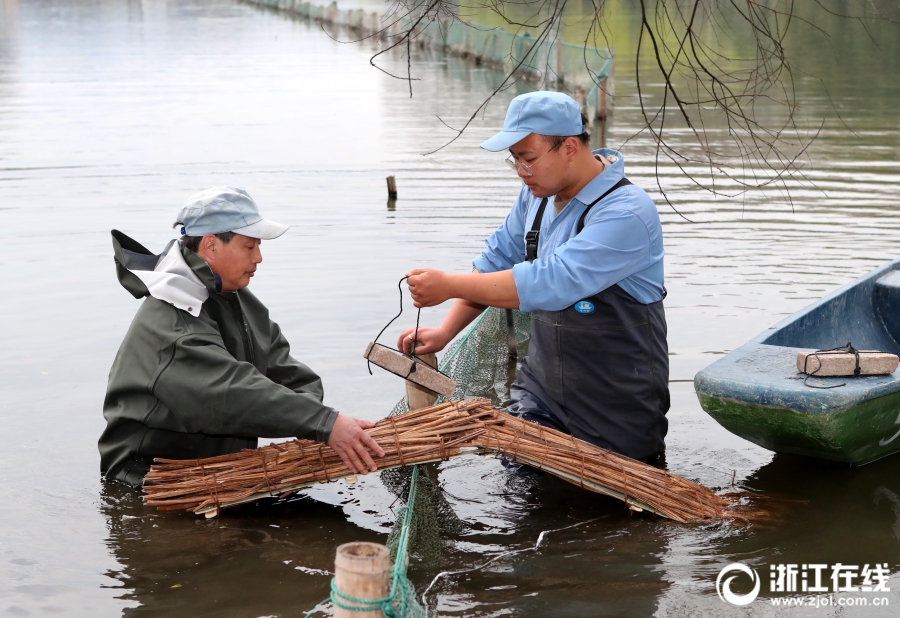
(455, 428)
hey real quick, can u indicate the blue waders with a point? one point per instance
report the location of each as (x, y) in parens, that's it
(598, 370)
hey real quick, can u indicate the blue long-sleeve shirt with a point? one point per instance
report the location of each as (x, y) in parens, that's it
(621, 243)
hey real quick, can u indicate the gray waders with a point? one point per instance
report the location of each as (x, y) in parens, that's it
(598, 370)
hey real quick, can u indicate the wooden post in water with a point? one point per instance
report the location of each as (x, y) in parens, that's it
(581, 99)
(601, 99)
(598, 137)
(560, 69)
(603, 91)
(392, 187)
(419, 396)
(361, 571)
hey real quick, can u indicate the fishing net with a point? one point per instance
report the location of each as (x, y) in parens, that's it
(433, 518)
(482, 365)
(523, 50)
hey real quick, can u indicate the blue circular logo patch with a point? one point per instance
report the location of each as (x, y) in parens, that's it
(584, 307)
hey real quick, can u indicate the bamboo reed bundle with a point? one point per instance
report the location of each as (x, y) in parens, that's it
(435, 433)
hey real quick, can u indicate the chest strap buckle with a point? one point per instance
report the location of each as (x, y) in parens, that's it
(531, 245)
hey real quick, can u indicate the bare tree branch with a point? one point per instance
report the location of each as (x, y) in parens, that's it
(702, 67)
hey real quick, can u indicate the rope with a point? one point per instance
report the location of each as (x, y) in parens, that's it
(846, 349)
(266, 473)
(324, 467)
(399, 584)
(215, 490)
(397, 441)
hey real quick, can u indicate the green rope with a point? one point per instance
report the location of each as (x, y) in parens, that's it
(399, 583)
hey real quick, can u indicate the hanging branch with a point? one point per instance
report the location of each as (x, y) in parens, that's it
(701, 66)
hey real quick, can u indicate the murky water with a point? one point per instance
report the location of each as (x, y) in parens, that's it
(112, 113)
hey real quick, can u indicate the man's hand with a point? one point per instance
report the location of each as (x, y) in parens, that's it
(350, 441)
(429, 286)
(429, 340)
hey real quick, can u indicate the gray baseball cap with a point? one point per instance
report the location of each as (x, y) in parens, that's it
(226, 209)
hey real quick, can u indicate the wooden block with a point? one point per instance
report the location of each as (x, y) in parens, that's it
(419, 396)
(826, 364)
(402, 366)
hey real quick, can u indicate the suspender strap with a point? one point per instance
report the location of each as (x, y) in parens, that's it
(618, 185)
(531, 237)
(531, 245)
(511, 336)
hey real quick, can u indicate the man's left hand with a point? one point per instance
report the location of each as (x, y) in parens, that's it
(428, 286)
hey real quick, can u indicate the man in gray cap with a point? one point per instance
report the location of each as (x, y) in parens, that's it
(203, 371)
(582, 251)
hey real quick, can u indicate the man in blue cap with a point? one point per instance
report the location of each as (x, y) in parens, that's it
(582, 251)
(203, 371)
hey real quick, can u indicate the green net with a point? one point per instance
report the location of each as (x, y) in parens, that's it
(530, 53)
(526, 52)
(433, 518)
(482, 366)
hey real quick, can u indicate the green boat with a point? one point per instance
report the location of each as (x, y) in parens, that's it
(757, 393)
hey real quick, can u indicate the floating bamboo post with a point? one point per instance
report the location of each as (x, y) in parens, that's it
(361, 571)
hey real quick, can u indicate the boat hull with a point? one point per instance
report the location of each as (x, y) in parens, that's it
(858, 435)
(757, 393)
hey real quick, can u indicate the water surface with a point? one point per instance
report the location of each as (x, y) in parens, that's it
(113, 112)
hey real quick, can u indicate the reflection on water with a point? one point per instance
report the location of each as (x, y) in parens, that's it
(181, 565)
(113, 112)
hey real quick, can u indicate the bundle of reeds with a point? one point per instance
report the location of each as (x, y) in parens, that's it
(429, 434)
(640, 486)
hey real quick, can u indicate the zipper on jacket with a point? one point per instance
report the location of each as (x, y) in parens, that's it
(248, 342)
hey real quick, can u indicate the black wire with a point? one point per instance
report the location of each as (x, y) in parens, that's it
(849, 349)
(400, 288)
(415, 336)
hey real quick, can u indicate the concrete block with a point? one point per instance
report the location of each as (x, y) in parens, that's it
(825, 364)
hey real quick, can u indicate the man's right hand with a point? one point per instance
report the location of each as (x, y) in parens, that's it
(350, 442)
(429, 340)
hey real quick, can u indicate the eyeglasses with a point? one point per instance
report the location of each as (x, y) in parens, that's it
(516, 166)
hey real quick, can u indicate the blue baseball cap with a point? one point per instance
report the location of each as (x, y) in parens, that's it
(544, 113)
(226, 209)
